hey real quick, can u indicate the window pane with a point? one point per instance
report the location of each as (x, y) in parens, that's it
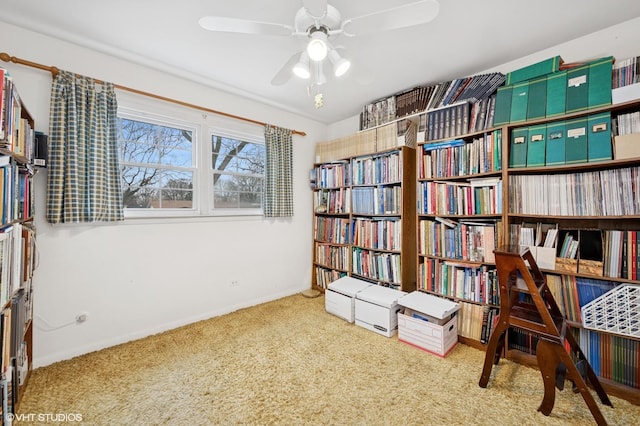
(250, 200)
(140, 176)
(157, 188)
(142, 142)
(238, 173)
(135, 197)
(154, 159)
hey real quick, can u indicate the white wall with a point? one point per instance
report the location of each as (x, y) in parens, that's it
(141, 277)
(619, 41)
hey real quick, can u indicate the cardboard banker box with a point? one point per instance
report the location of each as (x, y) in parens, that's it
(340, 297)
(428, 322)
(377, 309)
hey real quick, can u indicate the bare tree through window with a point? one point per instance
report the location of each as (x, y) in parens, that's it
(158, 168)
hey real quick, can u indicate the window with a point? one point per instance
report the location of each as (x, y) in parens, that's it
(169, 168)
(238, 173)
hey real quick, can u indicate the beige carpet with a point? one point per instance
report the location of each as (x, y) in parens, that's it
(288, 362)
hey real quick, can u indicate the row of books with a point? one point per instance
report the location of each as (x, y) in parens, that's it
(332, 201)
(378, 234)
(571, 293)
(16, 131)
(460, 198)
(424, 98)
(626, 124)
(17, 261)
(459, 158)
(581, 140)
(626, 72)
(16, 195)
(325, 276)
(612, 357)
(456, 120)
(377, 200)
(468, 241)
(335, 257)
(594, 193)
(332, 229)
(378, 113)
(475, 283)
(377, 266)
(621, 254)
(333, 175)
(476, 321)
(364, 170)
(377, 169)
(447, 122)
(14, 358)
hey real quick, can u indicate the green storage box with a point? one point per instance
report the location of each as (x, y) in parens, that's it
(538, 69)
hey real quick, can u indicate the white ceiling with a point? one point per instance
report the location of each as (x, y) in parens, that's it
(467, 37)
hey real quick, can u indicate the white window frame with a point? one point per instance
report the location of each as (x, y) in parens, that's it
(203, 126)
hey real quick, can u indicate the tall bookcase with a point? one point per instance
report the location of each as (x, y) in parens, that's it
(459, 223)
(364, 208)
(594, 205)
(535, 194)
(17, 244)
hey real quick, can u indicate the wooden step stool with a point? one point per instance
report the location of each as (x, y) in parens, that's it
(539, 314)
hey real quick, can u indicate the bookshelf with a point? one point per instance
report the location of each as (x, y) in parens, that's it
(595, 204)
(332, 221)
(364, 214)
(459, 223)
(588, 197)
(17, 244)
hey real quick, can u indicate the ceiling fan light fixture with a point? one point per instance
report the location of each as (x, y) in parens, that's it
(317, 48)
(340, 64)
(301, 69)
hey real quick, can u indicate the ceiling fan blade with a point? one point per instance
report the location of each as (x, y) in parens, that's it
(284, 74)
(315, 8)
(408, 15)
(234, 25)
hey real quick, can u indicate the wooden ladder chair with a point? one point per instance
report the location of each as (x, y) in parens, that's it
(538, 313)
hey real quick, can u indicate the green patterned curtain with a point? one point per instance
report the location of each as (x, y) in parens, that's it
(278, 189)
(84, 174)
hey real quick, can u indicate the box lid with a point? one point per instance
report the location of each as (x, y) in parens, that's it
(429, 304)
(379, 295)
(349, 285)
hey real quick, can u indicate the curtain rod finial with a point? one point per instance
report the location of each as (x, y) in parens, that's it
(5, 57)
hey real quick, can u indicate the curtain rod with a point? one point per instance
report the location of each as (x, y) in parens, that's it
(54, 71)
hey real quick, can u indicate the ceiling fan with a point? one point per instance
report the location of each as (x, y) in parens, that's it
(319, 22)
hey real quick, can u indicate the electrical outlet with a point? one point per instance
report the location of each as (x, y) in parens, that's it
(82, 317)
(234, 283)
